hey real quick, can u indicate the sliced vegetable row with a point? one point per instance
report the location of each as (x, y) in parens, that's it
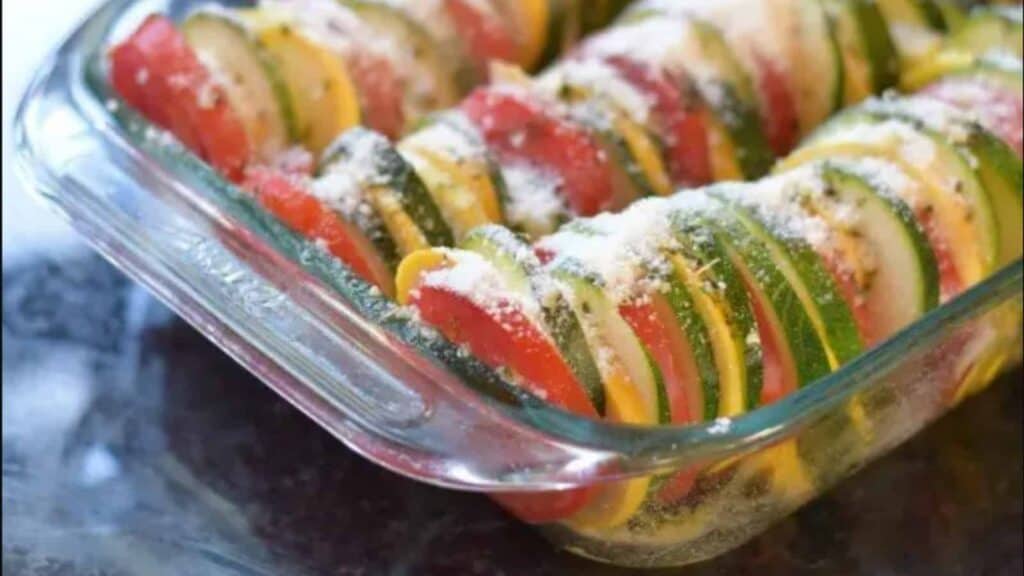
(299, 72)
(673, 94)
(680, 309)
(676, 93)
(721, 299)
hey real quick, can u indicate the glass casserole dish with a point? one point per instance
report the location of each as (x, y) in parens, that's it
(295, 317)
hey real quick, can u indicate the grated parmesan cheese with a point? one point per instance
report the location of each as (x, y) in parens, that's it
(473, 276)
(653, 40)
(344, 184)
(455, 135)
(534, 204)
(776, 202)
(933, 114)
(597, 77)
(343, 32)
(625, 250)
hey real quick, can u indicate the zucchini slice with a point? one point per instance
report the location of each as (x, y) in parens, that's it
(603, 98)
(802, 354)
(702, 388)
(432, 81)
(801, 266)
(904, 284)
(459, 205)
(870, 61)
(728, 89)
(994, 164)
(949, 191)
(249, 76)
(916, 26)
(621, 358)
(1005, 71)
(515, 259)
(874, 232)
(820, 74)
(714, 285)
(325, 101)
(999, 28)
(363, 175)
(451, 140)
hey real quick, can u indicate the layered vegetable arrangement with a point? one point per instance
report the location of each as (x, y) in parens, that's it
(717, 300)
(243, 85)
(658, 306)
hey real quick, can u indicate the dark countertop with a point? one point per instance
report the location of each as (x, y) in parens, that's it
(132, 446)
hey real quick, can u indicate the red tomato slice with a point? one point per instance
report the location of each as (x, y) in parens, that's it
(380, 92)
(486, 37)
(284, 196)
(779, 375)
(156, 72)
(950, 283)
(998, 108)
(847, 285)
(654, 324)
(678, 485)
(679, 118)
(502, 336)
(779, 115)
(544, 507)
(545, 255)
(518, 128)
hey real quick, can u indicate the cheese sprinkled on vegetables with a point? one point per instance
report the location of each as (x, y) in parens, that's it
(534, 204)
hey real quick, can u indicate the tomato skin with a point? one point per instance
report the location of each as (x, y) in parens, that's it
(850, 291)
(950, 283)
(544, 507)
(519, 129)
(504, 337)
(285, 197)
(778, 114)
(778, 379)
(649, 327)
(486, 37)
(380, 92)
(999, 109)
(679, 117)
(155, 71)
